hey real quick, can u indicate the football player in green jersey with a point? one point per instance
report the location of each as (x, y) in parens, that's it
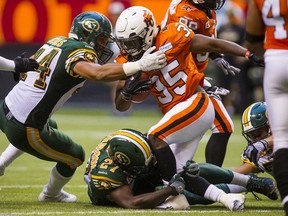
(122, 171)
(65, 64)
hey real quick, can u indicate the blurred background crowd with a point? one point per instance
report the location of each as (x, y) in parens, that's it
(26, 24)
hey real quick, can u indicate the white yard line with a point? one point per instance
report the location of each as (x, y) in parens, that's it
(121, 212)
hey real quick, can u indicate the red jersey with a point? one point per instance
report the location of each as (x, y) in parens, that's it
(197, 20)
(178, 80)
(275, 17)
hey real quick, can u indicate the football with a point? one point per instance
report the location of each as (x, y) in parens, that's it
(139, 98)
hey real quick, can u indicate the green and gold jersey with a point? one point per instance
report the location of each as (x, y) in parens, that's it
(40, 93)
(103, 175)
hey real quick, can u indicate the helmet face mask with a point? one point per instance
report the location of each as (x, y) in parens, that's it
(130, 150)
(94, 29)
(135, 31)
(209, 4)
(255, 125)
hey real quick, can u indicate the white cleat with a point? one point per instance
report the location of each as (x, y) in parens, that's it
(233, 201)
(62, 197)
(178, 202)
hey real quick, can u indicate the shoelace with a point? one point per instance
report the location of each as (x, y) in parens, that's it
(255, 195)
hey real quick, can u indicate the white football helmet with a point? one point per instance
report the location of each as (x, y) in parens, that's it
(136, 30)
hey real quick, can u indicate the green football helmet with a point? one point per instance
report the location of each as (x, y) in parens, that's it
(94, 29)
(255, 125)
(130, 150)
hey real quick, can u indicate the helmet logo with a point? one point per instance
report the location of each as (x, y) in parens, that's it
(148, 19)
(122, 159)
(90, 25)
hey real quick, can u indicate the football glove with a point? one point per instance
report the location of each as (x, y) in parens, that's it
(216, 92)
(23, 64)
(256, 60)
(177, 183)
(134, 86)
(154, 61)
(253, 151)
(223, 64)
(191, 168)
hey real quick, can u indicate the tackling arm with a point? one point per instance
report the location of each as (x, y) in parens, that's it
(124, 197)
(203, 43)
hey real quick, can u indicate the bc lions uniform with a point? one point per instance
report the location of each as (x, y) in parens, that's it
(203, 21)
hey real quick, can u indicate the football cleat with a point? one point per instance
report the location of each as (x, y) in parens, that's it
(178, 202)
(233, 201)
(62, 197)
(265, 186)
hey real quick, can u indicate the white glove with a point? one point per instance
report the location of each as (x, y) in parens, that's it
(216, 92)
(154, 61)
(225, 66)
(253, 152)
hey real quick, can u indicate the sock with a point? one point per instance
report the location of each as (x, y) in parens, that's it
(216, 148)
(166, 162)
(239, 179)
(280, 170)
(8, 156)
(56, 183)
(197, 185)
(213, 193)
(235, 188)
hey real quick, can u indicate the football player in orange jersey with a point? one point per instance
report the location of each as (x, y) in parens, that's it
(200, 16)
(267, 31)
(187, 110)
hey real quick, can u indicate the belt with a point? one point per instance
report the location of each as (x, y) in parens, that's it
(8, 114)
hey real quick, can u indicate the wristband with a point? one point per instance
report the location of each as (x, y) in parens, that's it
(131, 68)
(247, 54)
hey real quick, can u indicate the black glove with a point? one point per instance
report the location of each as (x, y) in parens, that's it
(23, 64)
(134, 86)
(177, 183)
(191, 168)
(216, 92)
(256, 60)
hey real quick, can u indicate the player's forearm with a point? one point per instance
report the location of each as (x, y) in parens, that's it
(151, 200)
(122, 104)
(6, 64)
(228, 47)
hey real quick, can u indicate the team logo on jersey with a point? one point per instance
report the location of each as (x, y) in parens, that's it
(121, 158)
(148, 19)
(90, 25)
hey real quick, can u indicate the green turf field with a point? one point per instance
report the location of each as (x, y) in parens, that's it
(24, 179)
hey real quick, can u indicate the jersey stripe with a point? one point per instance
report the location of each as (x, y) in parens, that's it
(183, 118)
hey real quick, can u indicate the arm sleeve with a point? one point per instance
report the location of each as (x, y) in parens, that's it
(6, 64)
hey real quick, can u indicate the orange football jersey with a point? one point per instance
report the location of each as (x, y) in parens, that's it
(195, 19)
(178, 80)
(275, 16)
